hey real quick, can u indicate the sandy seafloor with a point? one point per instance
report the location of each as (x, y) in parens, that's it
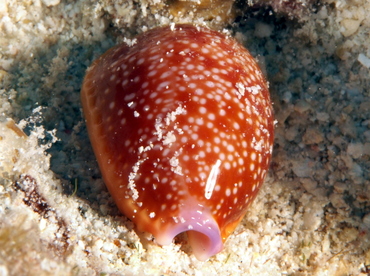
(312, 216)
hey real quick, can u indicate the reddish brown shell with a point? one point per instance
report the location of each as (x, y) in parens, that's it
(182, 126)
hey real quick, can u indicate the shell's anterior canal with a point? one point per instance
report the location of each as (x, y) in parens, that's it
(182, 127)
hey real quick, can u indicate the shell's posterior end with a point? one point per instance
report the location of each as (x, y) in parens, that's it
(203, 233)
(205, 244)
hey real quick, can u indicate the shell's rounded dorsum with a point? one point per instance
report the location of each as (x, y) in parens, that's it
(182, 126)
